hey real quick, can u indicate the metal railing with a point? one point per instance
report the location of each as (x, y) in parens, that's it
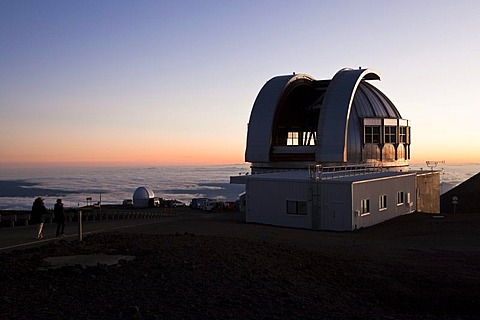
(319, 172)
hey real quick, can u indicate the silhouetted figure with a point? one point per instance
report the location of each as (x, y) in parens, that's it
(39, 214)
(59, 216)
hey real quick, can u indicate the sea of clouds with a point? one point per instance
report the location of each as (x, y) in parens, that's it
(19, 187)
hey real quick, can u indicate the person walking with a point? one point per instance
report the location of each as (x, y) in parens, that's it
(39, 214)
(59, 217)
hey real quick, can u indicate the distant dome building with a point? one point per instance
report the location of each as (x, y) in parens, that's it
(142, 197)
(297, 121)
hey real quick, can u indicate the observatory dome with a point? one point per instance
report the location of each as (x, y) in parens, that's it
(297, 121)
(142, 196)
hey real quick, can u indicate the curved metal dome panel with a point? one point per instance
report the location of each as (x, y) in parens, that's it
(370, 102)
(354, 138)
(335, 114)
(262, 117)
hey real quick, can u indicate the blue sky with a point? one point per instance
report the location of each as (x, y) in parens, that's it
(173, 82)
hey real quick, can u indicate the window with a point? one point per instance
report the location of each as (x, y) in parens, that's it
(365, 207)
(403, 135)
(382, 202)
(390, 134)
(292, 139)
(297, 207)
(309, 138)
(295, 138)
(400, 198)
(372, 134)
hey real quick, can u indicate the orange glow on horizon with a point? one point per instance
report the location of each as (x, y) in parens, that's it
(452, 156)
(183, 152)
(135, 157)
(94, 149)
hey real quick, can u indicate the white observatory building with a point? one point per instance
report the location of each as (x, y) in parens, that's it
(330, 155)
(143, 197)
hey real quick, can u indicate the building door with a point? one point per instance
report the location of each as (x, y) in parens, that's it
(333, 218)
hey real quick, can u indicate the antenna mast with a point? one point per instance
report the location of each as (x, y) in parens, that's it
(433, 164)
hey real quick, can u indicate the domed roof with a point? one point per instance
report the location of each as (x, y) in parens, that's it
(297, 121)
(370, 102)
(143, 193)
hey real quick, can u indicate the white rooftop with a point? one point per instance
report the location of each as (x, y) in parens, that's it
(326, 177)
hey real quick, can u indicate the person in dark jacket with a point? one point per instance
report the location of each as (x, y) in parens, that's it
(39, 214)
(59, 216)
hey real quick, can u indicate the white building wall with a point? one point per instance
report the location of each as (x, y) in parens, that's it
(373, 189)
(331, 204)
(267, 202)
(335, 206)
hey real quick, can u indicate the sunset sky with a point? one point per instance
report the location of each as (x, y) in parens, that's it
(173, 82)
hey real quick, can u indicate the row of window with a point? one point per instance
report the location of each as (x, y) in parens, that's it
(382, 203)
(300, 207)
(295, 138)
(372, 134)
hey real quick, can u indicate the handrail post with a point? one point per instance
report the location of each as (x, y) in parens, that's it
(80, 226)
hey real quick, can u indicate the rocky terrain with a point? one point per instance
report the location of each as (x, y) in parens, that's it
(189, 276)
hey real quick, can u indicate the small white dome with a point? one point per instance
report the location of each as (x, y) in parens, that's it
(142, 196)
(143, 193)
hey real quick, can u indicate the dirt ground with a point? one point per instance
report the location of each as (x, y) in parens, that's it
(216, 266)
